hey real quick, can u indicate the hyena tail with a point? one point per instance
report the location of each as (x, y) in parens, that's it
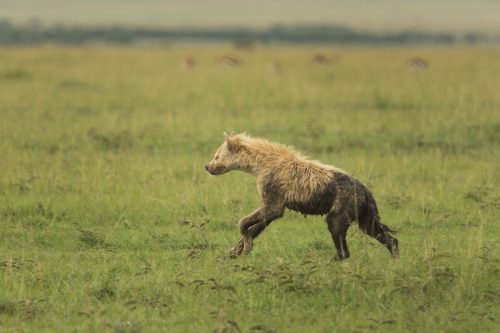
(369, 222)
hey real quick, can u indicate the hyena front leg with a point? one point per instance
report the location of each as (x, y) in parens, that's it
(250, 231)
(244, 224)
(257, 228)
(252, 225)
(254, 231)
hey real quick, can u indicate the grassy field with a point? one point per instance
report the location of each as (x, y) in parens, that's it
(108, 221)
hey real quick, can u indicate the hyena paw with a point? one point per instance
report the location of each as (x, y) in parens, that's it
(341, 257)
(394, 249)
(247, 245)
(246, 250)
(235, 250)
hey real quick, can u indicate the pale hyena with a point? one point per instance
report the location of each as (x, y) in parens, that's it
(285, 179)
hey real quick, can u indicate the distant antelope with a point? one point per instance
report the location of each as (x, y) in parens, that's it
(244, 45)
(274, 67)
(229, 61)
(187, 63)
(417, 63)
(320, 59)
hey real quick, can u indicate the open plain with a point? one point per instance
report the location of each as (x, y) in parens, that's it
(109, 222)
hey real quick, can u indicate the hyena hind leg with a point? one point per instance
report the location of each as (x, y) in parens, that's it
(338, 225)
(390, 242)
(373, 227)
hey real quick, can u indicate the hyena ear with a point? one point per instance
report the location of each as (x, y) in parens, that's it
(233, 146)
(233, 133)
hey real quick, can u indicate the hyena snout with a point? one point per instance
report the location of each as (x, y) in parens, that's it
(213, 169)
(209, 169)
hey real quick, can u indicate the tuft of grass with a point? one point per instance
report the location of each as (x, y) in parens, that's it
(91, 239)
(25, 310)
(14, 75)
(8, 307)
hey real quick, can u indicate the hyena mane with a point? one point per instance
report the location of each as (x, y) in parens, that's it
(288, 180)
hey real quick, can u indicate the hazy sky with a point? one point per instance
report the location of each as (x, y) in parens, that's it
(450, 15)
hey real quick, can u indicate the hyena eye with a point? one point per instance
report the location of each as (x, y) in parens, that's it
(216, 158)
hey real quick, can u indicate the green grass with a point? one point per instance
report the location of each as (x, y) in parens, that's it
(108, 221)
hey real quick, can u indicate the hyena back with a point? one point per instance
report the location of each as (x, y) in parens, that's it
(285, 179)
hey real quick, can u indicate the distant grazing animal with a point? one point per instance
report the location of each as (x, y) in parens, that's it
(244, 45)
(229, 61)
(187, 62)
(274, 67)
(320, 59)
(417, 63)
(286, 179)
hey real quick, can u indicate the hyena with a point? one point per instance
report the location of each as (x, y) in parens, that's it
(286, 179)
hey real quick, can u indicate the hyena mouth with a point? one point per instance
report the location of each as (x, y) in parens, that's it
(216, 171)
(209, 170)
(213, 171)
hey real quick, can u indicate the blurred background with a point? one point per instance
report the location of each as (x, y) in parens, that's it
(358, 21)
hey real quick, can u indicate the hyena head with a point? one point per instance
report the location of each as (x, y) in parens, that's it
(227, 157)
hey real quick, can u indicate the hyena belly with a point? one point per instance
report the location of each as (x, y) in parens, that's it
(314, 201)
(342, 194)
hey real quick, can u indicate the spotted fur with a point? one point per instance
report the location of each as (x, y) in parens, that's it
(287, 180)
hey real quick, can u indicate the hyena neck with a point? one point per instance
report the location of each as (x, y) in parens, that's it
(261, 164)
(258, 163)
(260, 155)
(249, 167)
